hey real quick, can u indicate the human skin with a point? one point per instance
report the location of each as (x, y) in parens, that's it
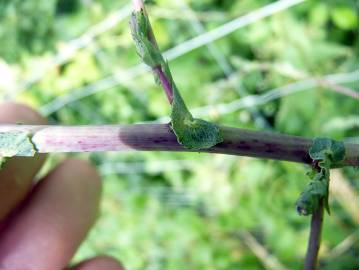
(42, 224)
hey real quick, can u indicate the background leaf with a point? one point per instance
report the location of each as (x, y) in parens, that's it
(77, 63)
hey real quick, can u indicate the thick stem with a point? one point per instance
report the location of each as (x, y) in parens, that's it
(311, 259)
(160, 137)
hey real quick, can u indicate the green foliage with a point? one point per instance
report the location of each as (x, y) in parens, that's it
(27, 25)
(191, 132)
(170, 211)
(327, 153)
(142, 35)
(316, 190)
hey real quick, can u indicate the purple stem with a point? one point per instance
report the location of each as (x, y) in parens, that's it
(160, 137)
(166, 84)
(311, 259)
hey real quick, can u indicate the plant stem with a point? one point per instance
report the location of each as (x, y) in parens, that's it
(166, 82)
(138, 5)
(311, 258)
(160, 137)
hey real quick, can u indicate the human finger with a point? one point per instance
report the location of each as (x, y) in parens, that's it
(17, 175)
(47, 231)
(101, 262)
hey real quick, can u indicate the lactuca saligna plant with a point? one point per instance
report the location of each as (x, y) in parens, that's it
(186, 133)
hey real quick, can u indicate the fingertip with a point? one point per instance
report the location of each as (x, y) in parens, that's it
(77, 180)
(89, 175)
(17, 176)
(61, 211)
(100, 262)
(11, 112)
(86, 168)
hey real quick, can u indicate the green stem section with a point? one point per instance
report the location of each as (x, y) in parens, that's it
(160, 137)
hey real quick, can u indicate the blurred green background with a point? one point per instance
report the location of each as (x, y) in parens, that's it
(295, 71)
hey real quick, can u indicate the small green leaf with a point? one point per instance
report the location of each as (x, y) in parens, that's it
(327, 152)
(192, 133)
(146, 48)
(308, 200)
(16, 143)
(323, 147)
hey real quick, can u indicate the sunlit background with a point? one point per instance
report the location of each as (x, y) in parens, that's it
(287, 66)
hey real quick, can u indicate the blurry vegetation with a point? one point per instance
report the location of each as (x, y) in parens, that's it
(195, 211)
